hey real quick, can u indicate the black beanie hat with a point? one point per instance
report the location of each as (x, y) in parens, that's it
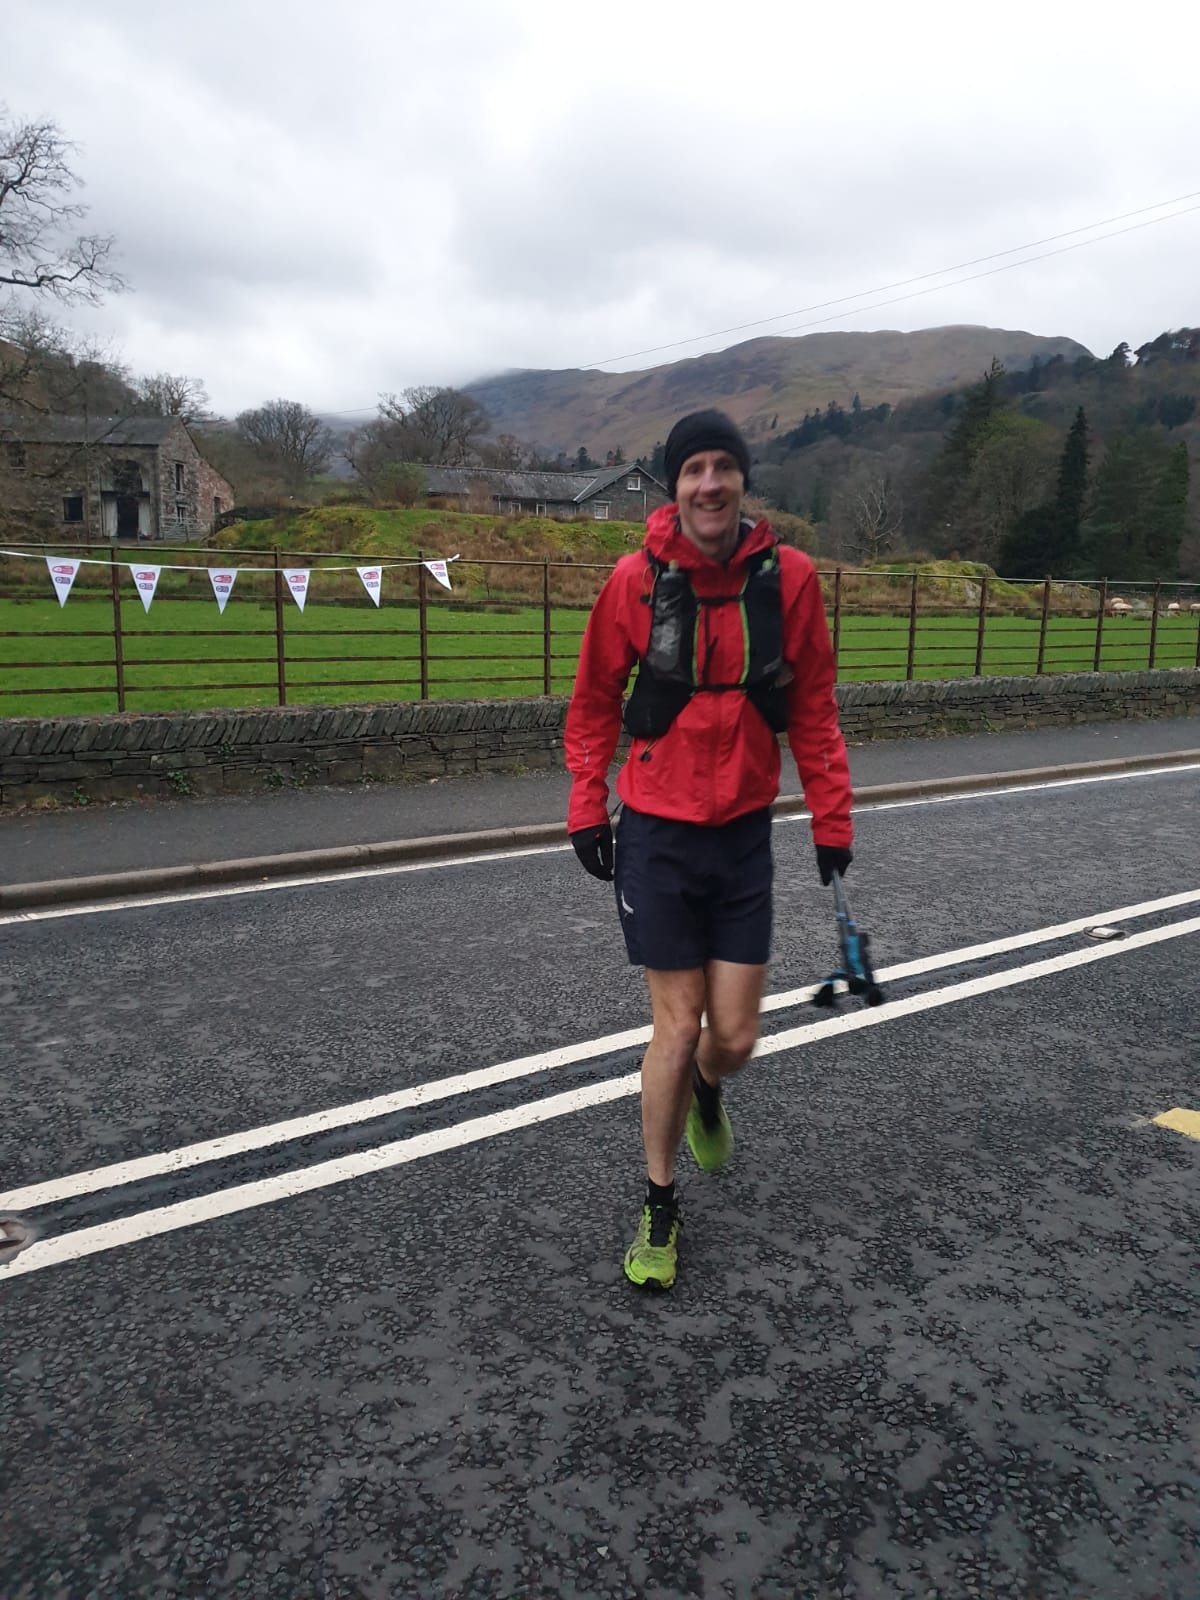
(703, 430)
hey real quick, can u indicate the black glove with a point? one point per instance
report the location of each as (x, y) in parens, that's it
(594, 847)
(832, 858)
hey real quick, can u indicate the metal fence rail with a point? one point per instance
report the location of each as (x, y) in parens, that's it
(513, 627)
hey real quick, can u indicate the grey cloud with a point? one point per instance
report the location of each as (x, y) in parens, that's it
(352, 199)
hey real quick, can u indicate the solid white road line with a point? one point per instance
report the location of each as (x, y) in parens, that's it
(1024, 788)
(970, 987)
(271, 886)
(267, 1191)
(139, 1168)
(243, 1197)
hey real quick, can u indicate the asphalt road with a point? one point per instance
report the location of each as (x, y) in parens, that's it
(129, 835)
(934, 1332)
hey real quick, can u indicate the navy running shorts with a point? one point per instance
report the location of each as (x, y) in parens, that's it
(688, 894)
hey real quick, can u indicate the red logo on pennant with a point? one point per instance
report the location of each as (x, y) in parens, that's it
(297, 583)
(145, 577)
(67, 570)
(224, 577)
(370, 574)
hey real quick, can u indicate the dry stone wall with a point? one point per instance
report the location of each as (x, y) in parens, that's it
(119, 757)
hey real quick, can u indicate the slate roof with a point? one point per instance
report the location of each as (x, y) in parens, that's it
(552, 488)
(131, 432)
(609, 476)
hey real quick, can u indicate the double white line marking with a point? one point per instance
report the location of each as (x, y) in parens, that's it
(267, 1191)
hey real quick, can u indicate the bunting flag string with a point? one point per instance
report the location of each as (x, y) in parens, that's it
(94, 561)
(63, 571)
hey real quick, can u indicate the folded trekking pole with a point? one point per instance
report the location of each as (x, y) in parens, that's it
(856, 972)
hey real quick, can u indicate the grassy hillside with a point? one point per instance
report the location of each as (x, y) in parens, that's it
(399, 531)
(487, 547)
(759, 382)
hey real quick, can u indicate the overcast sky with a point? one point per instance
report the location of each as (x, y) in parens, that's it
(326, 201)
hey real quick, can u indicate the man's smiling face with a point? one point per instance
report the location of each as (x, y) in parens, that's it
(709, 495)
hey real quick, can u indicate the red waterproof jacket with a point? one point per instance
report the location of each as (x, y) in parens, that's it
(719, 759)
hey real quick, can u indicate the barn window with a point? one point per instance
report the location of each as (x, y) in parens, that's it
(600, 511)
(635, 483)
(73, 508)
(179, 477)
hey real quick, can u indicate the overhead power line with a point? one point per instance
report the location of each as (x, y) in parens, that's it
(922, 277)
(903, 283)
(916, 294)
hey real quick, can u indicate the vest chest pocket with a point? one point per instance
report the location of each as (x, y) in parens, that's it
(652, 707)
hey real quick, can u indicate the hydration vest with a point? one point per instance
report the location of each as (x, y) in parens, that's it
(675, 665)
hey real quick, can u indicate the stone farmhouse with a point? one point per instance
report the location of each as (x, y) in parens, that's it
(94, 478)
(617, 494)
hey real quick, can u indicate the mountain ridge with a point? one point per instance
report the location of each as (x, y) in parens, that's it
(775, 378)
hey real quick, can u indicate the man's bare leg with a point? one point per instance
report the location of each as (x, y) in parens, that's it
(734, 994)
(677, 1001)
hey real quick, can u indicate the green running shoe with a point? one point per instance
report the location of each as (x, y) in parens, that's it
(650, 1259)
(711, 1146)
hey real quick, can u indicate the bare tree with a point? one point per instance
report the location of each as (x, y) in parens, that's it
(505, 451)
(255, 479)
(171, 394)
(290, 438)
(868, 514)
(42, 369)
(38, 255)
(437, 426)
(429, 426)
(375, 448)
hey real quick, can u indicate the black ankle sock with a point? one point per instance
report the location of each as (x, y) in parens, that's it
(660, 1194)
(708, 1097)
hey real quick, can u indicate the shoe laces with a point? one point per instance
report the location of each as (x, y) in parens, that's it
(662, 1220)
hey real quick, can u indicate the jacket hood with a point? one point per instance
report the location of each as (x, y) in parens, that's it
(667, 542)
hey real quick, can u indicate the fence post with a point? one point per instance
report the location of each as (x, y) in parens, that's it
(423, 625)
(118, 636)
(1198, 644)
(280, 657)
(983, 586)
(837, 619)
(912, 629)
(1041, 660)
(1100, 624)
(1154, 621)
(546, 626)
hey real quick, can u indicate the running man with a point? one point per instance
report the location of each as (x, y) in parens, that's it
(727, 629)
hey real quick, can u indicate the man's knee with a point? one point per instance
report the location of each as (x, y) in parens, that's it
(678, 1036)
(733, 1040)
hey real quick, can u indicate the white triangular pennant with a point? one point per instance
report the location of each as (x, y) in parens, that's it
(62, 575)
(222, 584)
(438, 568)
(146, 579)
(372, 579)
(296, 579)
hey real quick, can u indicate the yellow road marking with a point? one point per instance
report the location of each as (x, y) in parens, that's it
(1182, 1121)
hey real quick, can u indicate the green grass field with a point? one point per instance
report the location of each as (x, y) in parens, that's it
(58, 661)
